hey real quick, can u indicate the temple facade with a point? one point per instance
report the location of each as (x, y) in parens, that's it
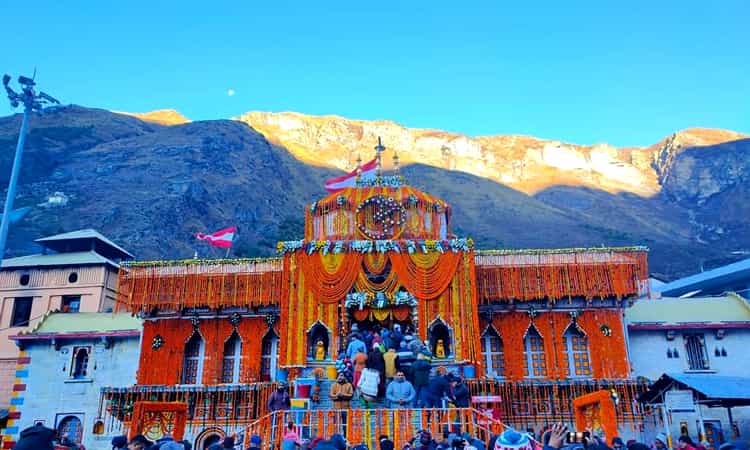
(530, 329)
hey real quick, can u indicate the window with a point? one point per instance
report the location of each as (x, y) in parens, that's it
(73, 277)
(230, 366)
(577, 347)
(24, 280)
(71, 303)
(191, 369)
(79, 367)
(695, 348)
(536, 365)
(70, 428)
(492, 345)
(21, 311)
(269, 350)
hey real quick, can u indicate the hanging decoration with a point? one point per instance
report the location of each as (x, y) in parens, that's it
(158, 419)
(608, 353)
(556, 274)
(177, 285)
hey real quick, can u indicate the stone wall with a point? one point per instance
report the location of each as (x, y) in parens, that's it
(52, 393)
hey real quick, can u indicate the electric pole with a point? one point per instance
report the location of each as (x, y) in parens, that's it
(31, 101)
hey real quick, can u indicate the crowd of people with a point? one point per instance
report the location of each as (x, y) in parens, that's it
(555, 437)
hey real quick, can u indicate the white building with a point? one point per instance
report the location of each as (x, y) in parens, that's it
(701, 344)
(69, 358)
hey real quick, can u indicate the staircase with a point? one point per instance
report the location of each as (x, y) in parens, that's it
(326, 403)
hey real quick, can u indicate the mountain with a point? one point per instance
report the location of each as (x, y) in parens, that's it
(151, 185)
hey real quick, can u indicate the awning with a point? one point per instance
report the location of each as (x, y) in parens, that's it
(710, 390)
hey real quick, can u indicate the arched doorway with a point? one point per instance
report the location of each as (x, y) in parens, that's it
(440, 339)
(269, 356)
(318, 333)
(70, 428)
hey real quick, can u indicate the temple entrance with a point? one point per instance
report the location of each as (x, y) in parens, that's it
(376, 319)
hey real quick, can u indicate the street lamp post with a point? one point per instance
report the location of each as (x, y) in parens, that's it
(31, 102)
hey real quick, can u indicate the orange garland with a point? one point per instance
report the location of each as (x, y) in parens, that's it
(608, 354)
(585, 273)
(179, 285)
(215, 332)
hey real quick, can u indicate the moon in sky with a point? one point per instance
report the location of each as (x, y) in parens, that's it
(230, 92)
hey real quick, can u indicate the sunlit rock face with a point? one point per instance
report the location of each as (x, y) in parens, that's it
(524, 163)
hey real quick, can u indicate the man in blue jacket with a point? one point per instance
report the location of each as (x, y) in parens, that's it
(400, 392)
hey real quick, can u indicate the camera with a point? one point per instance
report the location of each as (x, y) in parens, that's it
(458, 442)
(578, 437)
(26, 81)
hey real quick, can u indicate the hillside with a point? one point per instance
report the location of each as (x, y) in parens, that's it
(150, 186)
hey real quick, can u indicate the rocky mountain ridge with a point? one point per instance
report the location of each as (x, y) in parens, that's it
(151, 187)
(525, 163)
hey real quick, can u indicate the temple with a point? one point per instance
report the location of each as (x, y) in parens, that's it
(530, 330)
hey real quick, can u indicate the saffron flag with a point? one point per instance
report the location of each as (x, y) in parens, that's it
(350, 179)
(222, 238)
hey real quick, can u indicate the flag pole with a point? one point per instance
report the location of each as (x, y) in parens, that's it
(229, 249)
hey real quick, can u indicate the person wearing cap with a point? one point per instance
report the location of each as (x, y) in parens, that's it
(617, 443)
(255, 442)
(280, 400)
(660, 441)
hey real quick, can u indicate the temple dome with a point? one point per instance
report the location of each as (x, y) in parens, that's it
(378, 213)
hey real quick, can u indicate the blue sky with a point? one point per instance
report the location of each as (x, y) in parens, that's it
(626, 73)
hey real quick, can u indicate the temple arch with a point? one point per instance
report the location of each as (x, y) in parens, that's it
(438, 332)
(318, 332)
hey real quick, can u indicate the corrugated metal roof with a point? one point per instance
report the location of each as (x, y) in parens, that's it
(87, 233)
(721, 309)
(85, 323)
(715, 386)
(709, 278)
(58, 259)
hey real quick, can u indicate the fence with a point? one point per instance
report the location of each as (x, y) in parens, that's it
(364, 426)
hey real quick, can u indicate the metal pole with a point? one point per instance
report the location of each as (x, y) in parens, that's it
(665, 418)
(8, 208)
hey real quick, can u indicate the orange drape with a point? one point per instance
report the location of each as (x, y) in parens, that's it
(175, 333)
(608, 354)
(426, 276)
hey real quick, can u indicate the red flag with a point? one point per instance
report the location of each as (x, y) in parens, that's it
(349, 180)
(222, 238)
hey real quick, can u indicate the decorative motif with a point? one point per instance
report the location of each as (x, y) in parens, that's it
(573, 317)
(532, 313)
(426, 246)
(606, 330)
(379, 299)
(158, 419)
(157, 342)
(196, 322)
(270, 319)
(380, 217)
(341, 200)
(393, 181)
(234, 319)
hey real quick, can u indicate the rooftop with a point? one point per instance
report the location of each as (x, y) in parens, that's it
(87, 239)
(83, 324)
(57, 260)
(729, 308)
(721, 278)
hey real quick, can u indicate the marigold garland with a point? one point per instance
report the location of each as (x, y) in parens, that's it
(145, 413)
(600, 407)
(607, 354)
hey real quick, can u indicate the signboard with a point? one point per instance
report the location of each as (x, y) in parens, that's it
(679, 401)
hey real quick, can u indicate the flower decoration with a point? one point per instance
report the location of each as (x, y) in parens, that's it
(234, 319)
(379, 300)
(377, 246)
(412, 200)
(313, 207)
(606, 330)
(380, 217)
(195, 321)
(157, 342)
(340, 200)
